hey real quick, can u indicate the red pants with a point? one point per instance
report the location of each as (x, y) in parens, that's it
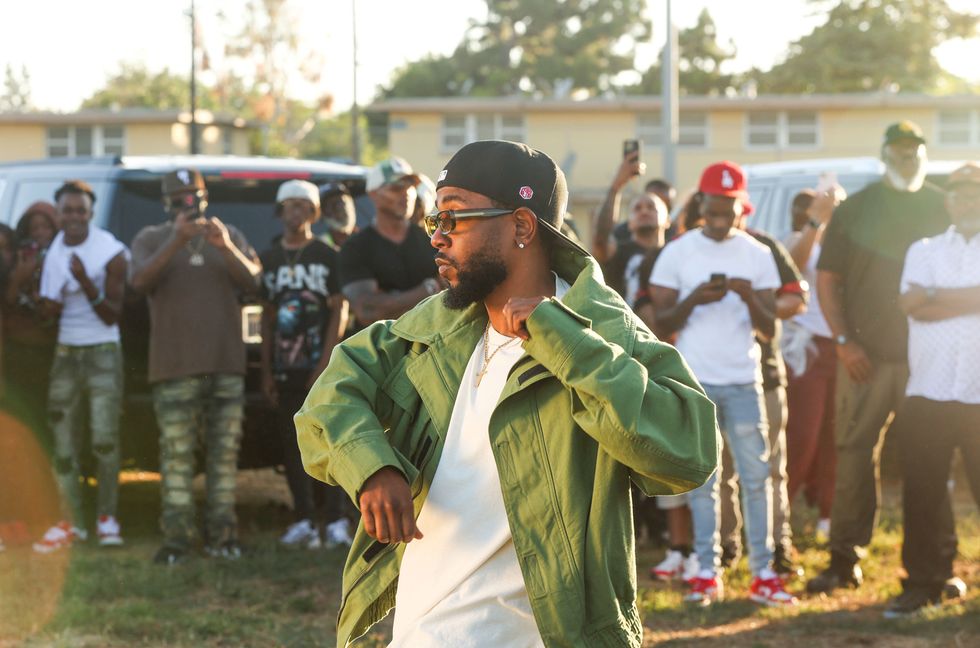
(810, 455)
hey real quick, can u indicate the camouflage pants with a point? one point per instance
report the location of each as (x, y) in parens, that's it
(93, 372)
(185, 407)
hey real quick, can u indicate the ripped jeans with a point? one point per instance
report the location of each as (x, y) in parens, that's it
(744, 429)
(93, 372)
(212, 404)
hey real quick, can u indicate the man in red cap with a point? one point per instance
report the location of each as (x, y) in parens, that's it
(941, 296)
(715, 286)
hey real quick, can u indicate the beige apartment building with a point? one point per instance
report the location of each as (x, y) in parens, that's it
(586, 137)
(131, 131)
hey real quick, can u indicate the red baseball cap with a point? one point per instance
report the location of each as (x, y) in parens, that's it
(726, 179)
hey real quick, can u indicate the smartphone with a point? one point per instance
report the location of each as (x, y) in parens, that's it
(718, 278)
(631, 147)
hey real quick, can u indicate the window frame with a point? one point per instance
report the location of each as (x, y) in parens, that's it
(972, 127)
(470, 128)
(70, 141)
(653, 135)
(782, 131)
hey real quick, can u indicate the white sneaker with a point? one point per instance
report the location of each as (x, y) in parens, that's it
(692, 566)
(671, 567)
(301, 534)
(107, 530)
(60, 536)
(823, 531)
(338, 533)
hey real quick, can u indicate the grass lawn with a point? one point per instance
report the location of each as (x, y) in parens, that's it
(272, 597)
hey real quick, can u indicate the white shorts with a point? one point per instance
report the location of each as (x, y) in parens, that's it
(668, 502)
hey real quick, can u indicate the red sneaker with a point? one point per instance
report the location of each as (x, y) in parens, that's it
(768, 589)
(60, 536)
(705, 589)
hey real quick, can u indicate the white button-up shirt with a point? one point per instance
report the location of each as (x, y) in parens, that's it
(944, 355)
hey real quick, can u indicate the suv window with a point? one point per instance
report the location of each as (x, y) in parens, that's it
(29, 191)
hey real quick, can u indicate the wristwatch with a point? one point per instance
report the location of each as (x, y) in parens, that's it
(814, 223)
(842, 339)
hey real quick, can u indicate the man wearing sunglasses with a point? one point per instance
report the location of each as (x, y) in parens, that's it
(505, 420)
(387, 268)
(193, 269)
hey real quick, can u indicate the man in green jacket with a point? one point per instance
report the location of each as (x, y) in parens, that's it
(490, 435)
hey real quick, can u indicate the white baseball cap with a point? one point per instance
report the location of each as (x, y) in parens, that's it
(298, 189)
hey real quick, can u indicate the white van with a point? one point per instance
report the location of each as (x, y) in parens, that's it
(773, 185)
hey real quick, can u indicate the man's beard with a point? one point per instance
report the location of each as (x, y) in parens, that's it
(483, 273)
(645, 230)
(899, 182)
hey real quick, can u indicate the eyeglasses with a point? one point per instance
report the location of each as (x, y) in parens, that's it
(445, 221)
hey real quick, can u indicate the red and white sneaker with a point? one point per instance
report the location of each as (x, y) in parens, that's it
(706, 588)
(767, 588)
(108, 531)
(58, 537)
(671, 567)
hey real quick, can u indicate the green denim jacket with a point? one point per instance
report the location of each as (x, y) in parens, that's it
(596, 402)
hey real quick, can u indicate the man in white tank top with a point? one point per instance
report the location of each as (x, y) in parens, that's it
(82, 284)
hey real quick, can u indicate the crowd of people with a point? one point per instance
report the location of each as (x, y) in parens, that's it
(809, 347)
(797, 354)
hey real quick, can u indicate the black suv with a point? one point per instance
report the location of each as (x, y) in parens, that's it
(241, 191)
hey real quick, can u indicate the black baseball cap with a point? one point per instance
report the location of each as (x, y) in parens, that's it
(904, 129)
(182, 180)
(331, 189)
(514, 175)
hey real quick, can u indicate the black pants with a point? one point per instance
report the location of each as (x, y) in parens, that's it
(308, 493)
(930, 431)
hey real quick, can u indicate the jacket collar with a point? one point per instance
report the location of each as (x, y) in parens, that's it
(588, 299)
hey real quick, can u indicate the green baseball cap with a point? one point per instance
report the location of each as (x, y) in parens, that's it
(904, 130)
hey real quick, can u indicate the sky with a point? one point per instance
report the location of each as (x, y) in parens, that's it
(70, 47)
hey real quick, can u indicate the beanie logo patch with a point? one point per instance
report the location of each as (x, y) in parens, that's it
(442, 175)
(526, 192)
(184, 176)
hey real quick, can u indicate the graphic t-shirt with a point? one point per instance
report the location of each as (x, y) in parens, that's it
(623, 271)
(298, 283)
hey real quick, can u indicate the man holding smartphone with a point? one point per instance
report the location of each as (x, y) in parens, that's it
(715, 286)
(648, 221)
(194, 268)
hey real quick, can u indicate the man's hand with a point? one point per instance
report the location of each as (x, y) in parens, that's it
(185, 227)
(709, 292)
(386, 507)
(856, 361)
(217, 234)
(821, 209)
(77, 269)
(742, 288)
(515, 312)
(630, 168)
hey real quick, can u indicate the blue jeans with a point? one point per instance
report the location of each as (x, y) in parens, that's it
(741, 417)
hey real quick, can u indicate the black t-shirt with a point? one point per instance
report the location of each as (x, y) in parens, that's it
(623, 271)
(790, 280)
(865, 244)
(369, 255)
(297, 283)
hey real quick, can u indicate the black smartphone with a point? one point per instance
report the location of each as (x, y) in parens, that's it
(718, 278)
(631, 147)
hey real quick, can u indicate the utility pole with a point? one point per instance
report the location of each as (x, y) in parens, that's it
(194, 142)
(355, 112)
(668, 100)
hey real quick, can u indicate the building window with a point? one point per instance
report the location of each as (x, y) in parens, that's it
(771, 129)
(70, 141)
(692, 129)
(458, 130)
(959, 128)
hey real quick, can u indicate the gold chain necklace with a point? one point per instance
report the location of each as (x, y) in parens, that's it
(290, 262)
(487, 356)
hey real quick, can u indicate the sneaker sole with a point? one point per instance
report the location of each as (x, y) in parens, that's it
(111, 542)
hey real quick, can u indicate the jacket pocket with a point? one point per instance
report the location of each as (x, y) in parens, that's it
(533, 580)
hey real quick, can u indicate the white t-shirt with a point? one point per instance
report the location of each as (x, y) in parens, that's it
(79, 325)
(461, 585)
(944, 356)
(718, 340)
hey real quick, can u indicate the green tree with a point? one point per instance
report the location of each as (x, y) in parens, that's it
(533, 46)
(871, 44)
(134, 86)
(16, 95)
(699, 61)
(331, 139)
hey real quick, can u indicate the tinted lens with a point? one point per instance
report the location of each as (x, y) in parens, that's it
(442, 221)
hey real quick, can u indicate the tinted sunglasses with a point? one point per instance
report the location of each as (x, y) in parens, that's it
(444, 221)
